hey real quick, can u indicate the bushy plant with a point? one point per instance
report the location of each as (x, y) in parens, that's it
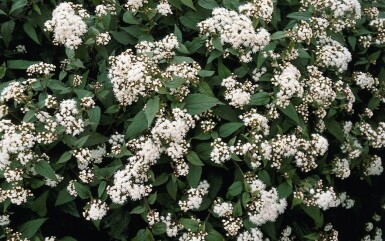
(192, 120)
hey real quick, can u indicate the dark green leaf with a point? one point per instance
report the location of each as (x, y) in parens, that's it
(30, 228)
(208, 4)
(235, 188)
(44, 169)
(191, 224)
(194, 175)
(194, 159)
(138, 125)
(30, 30)
(6, 32)
(229, 128)
(198, 103)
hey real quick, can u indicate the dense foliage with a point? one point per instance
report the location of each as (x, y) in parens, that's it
(192, 120)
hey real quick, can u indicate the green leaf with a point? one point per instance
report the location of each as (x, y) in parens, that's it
(198, 103)
(66, 156)
(229, 128)
(188, 3)
(175, 83)
(82, 191)
(205, 73)
(208, 4)
(335, 129)
(138, 210)
(300, 15)
(94, 115)
(172, 189)
(30, 30)
(6, 32)
(3, 69)
(194, 175)
(217, 43)
(44, 169)
(270, 229)
(235, 188)
(213, 235)
(284, 190)
(30, 228)
(81, 141)
(128, 17)
(39, 205)
(17, 5)
(315, 213)
(278, 35)
(194, 159)
(159, 228)
(102, 188)
(138, 125)
(191, 224)
(20, 64)
(290, 112)
(63, 197)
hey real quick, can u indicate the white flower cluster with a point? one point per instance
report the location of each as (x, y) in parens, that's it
(224, 210)
(266, 207)
(262, 9)
(41, 69)
(164, 8)
(172, 134)
(235, 30)
(16, 143)
(195, 197)
(237, 93)
(21, 49)
(308, 151)
(135, 5)
(53, 183)
(220, 152)
(375, 137)
(320, 88)
(106, 7)
(116, 140)
(289, 85)
(15, 90)
(324, 198)
(158, 50)
(133, 76)
(4, 220)
(96, 210)
(341, 167)
(17, 195)
(302, 32)
(343, 13)
(68, 117)
(131, 181)
(191, 236)
(373, 166)
(253, 235)
(183, 71)
(86, 157)
(167, 136)
(257, 122)
(67, 25)
(172, 227)
(103, 38)
(331, 54)
(365, 81)
(346, 201)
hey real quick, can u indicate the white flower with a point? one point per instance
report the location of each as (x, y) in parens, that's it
(96, 210)
(67, 25)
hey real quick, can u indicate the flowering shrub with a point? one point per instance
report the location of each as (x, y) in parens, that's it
(192, 120)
